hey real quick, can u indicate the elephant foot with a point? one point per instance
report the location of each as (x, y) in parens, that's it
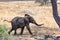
(9, 33)
(31, 33)
(15, 33)
(20, 34)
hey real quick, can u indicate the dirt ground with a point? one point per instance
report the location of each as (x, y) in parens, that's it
(42, 15)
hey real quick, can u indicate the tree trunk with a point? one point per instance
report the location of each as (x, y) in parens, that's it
(55, 11)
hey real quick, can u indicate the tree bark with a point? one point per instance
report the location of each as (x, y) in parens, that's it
(55, 11)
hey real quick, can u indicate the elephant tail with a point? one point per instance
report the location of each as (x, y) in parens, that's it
(7, 21)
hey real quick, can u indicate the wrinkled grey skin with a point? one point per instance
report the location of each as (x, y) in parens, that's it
(22, 22)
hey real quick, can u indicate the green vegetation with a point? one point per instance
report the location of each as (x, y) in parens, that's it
(3, 30)
(4, 33)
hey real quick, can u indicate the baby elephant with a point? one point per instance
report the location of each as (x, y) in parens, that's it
(22, 22)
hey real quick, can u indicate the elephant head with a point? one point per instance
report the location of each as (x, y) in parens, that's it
(31, 20)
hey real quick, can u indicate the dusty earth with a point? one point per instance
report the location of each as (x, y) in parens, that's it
(42, 15)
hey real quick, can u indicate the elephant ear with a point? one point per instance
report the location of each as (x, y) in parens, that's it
(27, 15)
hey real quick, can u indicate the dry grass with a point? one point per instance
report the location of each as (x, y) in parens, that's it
(42, 14)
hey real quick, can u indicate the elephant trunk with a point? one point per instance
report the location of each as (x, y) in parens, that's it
(38, 24)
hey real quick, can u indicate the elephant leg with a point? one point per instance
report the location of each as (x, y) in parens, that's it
(28, 28)
(15, 32)
(10, 31)
(22, 29)
(15, 29)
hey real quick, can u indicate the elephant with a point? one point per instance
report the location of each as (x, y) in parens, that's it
(22, 22)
